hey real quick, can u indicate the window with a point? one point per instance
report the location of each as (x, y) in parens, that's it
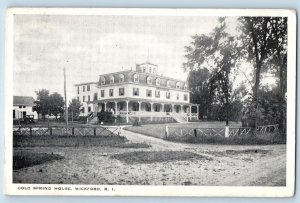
(135, 77)
(157, 93)
(168, 95)
(149, 80)
(121, 78)
(88, 88)
(185, 86)
(83, 88)
(135, 91)
(121, 91)
(95, 96)
(83, 98)
(112, 79)
(77, 90)
(89, 98)
(111, 92)
(177, 85)
(89, 109)
(185, 97)
(14, 114)
(20, 107)
(83, 109)
(144, 69)
(149, 93)
(177, 96)
(77, 98)
(157, 81)
(102, 93)
(103, 81)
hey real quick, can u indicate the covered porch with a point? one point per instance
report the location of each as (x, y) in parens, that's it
(129, 107)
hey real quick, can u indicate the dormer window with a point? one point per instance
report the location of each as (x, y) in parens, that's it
(121, 78)
(168, 83)
(185, 86)
(112, 79)
(177, 85)
(157, 82)
(103, 81)
(135, 77)
(149, 80)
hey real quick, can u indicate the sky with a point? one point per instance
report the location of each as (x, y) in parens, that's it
(88, 46)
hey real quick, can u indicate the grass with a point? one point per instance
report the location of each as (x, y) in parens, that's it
(133, 145)
(158, 130)
(67, 141)
(24, 159)
(241, 140)
(148, 157)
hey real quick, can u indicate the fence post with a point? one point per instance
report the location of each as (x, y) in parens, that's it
(30, 131)
(50, 131)
(167, 131)
(94, 131)
(226, 131)
(73, 131)
(195, 132)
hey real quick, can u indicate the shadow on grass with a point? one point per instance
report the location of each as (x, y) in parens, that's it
(67, 141)
(148, 157)
(25, 159)
(251, 139)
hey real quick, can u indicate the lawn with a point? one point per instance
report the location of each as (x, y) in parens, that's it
(158, 130)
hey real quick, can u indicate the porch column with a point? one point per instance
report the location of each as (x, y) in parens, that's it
(162, 107)
(151, 103)
(127, 118)
(181, 109)
(197, 112)
(172, 108)
(190, 111)
(116, 107)
(105, 106)
(140, 106)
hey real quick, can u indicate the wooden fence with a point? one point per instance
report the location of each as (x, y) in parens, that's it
(232, 131)
(71, 131)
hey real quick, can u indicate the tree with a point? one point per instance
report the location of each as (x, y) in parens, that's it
(217, 51)
(74, 107)
(56, 104)
(264, 42)
(42, 104)
(200, 92)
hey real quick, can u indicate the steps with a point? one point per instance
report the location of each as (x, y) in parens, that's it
(92, 119)
(180, 118)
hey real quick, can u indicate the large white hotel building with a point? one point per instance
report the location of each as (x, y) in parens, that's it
(138, 94)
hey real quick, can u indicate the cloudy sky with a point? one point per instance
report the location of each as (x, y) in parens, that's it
(91, 45)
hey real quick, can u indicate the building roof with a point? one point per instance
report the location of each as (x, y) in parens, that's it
(23, 101)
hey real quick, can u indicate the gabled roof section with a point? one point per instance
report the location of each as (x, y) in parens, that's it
(23, 101)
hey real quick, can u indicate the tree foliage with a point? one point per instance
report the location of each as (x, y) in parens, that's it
(217, 52)
(262, 41)
(42, 103)
(74, 107)
(46, 104)
(56, 104)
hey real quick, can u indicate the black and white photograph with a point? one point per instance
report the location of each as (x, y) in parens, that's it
(150, 102)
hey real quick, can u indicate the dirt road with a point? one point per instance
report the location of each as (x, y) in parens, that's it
(227, 165)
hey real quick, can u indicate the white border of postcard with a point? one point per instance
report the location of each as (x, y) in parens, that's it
(134, 190)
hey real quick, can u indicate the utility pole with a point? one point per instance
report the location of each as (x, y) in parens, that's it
(66, 109)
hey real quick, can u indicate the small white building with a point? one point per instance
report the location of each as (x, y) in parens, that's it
(22, 107)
